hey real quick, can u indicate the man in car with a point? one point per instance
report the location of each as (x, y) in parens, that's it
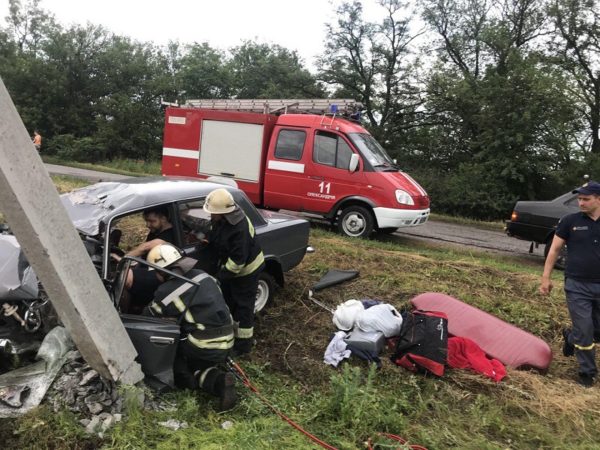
(140, 282)
(206, 324)
(581, 233)
(240, 260)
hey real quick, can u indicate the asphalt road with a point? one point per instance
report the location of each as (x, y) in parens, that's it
(90, 175)
(463, 235)
(432, 231)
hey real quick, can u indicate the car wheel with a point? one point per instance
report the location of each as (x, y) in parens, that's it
(355, 221)
(561, 262)
(265, 291)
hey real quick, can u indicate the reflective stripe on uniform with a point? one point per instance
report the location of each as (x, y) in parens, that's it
(581, 347)
(253, 266)
(178, 303)
(232, 266)
(203, 375)
(181, 289)
(244, 333)
(156, 307)
(220, 343)
(250, 227)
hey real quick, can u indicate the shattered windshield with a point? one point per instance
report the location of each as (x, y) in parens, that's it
(374, 153)
(88, 206)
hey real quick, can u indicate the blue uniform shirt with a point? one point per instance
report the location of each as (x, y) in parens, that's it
(582, 235)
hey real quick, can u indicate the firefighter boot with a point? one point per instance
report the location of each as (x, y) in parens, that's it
(220, 384)
(242, 346)
(225, 387)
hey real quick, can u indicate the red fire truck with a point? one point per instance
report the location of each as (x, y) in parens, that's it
(297, 155)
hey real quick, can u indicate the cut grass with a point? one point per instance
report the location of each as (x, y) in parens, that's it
(122, 166)
(347, 406)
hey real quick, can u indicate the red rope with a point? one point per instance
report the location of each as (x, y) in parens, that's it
(244, 378)
(396, 438)
(237, 370)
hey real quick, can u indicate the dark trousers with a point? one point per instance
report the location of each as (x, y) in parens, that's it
(240, 295)
(191, 362)
(583, 301)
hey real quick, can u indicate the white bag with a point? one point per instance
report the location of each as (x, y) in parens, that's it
(345, 314)
(383, 317)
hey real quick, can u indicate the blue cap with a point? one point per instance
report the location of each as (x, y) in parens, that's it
(589, 188)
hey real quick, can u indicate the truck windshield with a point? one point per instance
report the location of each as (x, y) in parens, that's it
(372, 151)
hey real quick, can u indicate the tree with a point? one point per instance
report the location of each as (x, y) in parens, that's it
(28, 25)
(502, 107)
(373, 63)
(270, 71)
(202, 73)
(577, 41)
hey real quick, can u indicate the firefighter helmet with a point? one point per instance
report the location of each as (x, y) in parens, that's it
(164, 255)
(219, 201)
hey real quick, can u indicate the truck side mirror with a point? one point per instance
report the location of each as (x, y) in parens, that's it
(353, 163)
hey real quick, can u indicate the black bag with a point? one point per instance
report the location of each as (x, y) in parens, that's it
(423, 342)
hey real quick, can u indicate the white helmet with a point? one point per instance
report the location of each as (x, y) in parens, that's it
(164, 255)
(219, 201)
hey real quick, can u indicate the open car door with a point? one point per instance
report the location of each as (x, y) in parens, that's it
(155, 339)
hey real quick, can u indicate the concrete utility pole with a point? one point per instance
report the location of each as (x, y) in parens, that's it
(30, 204)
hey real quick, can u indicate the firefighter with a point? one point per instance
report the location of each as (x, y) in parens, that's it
(206, 324)
(240, 260)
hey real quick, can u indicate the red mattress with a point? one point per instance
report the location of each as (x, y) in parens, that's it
(510, 345)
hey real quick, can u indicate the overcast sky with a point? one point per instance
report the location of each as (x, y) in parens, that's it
(294, 24)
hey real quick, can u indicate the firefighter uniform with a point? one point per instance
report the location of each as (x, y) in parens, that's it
(232, 240)
(582, 286)
(207, 332)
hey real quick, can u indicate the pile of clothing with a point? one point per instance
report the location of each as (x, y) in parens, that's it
(419, 338)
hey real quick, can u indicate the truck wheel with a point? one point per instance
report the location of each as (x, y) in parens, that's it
(355, 221)
(561, 262)
(265, 291)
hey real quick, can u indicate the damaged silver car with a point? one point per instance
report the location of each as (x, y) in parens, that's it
(108, 216)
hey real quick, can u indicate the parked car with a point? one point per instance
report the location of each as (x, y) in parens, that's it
(536, 221)
(109, 219)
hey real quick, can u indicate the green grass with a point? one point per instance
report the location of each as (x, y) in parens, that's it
(119, 166)
(347, 406)
(492, 226)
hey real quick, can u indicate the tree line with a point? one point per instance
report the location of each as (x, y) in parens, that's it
(484, 102)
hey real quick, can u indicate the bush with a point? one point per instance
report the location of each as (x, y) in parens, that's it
(70, 148)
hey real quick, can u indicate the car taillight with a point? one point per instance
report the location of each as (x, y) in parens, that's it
(514, 216)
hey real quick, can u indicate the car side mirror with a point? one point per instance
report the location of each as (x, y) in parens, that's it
(353, 163)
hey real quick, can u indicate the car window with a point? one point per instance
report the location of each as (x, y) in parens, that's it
(331, 150)
(132, 229)
(195, 222)
(249, 209)
(572, 202)
(290, 144)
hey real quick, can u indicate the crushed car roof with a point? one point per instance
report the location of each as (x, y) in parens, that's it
(89, 206)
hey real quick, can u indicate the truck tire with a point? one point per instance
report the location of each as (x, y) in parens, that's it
(561, 262)
(356, 221)
(265, 291)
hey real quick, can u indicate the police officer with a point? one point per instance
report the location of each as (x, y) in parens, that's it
(206, 325)
(240, 259)
(581, 233)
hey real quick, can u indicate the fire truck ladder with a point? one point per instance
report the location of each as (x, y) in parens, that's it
(272, 106)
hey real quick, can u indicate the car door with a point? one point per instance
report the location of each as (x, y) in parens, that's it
(285, 169)
(155, 339)
(329, 178)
